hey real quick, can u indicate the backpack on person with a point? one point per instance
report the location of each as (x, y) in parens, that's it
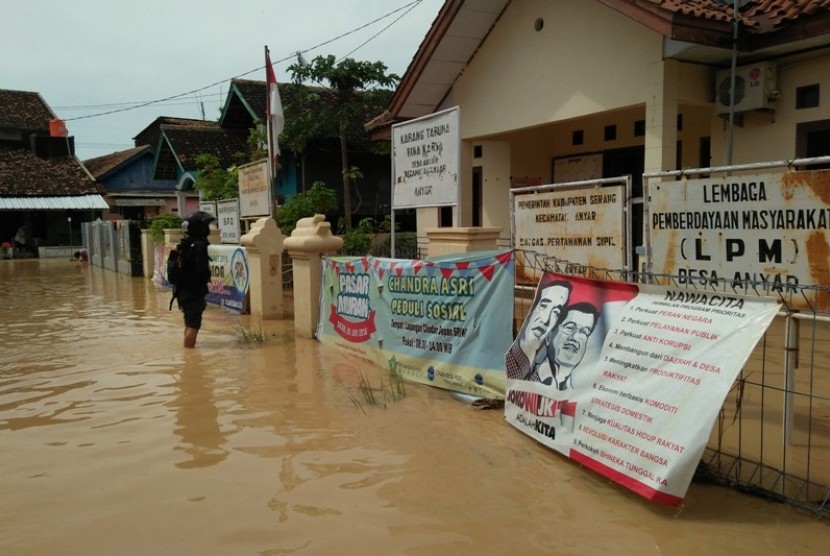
(177, 270)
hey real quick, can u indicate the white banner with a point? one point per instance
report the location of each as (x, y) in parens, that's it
(254, 190)
(228, 220)
(629, 379)
(425, 161)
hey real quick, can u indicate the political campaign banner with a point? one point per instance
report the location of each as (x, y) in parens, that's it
(628, 379)
(446, 320)
(229, 281)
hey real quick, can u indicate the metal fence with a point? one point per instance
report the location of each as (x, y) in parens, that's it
(772, 436)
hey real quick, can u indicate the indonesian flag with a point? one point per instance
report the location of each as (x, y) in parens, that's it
(273, 107)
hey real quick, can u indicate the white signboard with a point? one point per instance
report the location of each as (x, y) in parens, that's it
(208, 207)
(761, 232)
(583, 226)
(577, 168)
(254, 192)
(425, 161)
(229, 220)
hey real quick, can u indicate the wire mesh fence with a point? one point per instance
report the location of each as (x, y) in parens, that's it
(772, 435)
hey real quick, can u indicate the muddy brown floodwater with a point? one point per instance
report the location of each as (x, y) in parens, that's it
(115, 440)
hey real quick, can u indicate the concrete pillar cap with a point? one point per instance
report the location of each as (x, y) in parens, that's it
(313, 235)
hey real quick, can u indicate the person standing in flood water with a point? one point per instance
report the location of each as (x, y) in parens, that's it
(191, 293)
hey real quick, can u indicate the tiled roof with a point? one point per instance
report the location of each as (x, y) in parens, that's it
(23, 110)
(22, 173)
(758, 15)
(254, 93)
(101, 165)
(149, 135)
(188, 142)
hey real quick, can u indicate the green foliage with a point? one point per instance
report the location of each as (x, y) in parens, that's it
(406, 246)
(257, 141)
(319, 199)
(161, 222)
(397, 387)
(251, 337)
(357, 241)
(355, 92)
(214, 182)
(392, 391)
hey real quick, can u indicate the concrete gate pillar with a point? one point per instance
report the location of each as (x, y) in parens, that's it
(308, 242)
(263, 243)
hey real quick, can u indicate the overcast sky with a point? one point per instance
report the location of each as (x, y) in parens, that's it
(87, 57)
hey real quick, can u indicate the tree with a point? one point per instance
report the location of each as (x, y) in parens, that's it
(213, 181)
(318, 199)
(351, 88)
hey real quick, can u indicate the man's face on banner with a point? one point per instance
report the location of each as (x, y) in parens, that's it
(571, 338)
(546, 313)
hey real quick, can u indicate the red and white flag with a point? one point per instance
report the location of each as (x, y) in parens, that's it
(273, 107)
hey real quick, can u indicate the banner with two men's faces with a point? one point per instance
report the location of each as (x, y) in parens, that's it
(628, 379)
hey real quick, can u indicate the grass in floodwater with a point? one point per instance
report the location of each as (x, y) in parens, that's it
(387, 392)
(250, 337)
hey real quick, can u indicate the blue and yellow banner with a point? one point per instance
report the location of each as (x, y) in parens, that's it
(229, 282)
(447, 321)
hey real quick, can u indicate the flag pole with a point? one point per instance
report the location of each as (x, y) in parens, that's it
(276, 119)
(270, 166)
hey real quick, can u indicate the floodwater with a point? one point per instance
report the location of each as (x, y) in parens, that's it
(116, 440)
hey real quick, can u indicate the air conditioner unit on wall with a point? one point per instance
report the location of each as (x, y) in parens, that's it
(756, 88)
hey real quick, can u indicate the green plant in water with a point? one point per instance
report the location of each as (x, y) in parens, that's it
(392, 391)
(250, 337)
(396, 382)
(366, 390)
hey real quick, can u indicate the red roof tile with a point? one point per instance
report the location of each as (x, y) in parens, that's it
(759, 15)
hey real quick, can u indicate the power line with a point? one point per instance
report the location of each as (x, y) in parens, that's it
(410, 6)
(373, 37)
(113, 104)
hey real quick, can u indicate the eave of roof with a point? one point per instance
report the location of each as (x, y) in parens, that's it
(67, 202)
(101, 166)
(767, 24)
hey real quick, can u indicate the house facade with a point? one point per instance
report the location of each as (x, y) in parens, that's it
(45, 191)
(127, 178)
(636, 85)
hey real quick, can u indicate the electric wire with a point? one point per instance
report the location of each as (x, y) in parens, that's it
(193, 92)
